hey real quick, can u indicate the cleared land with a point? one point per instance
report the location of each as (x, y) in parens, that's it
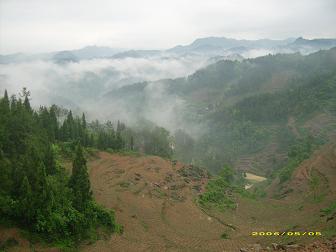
(155, 202)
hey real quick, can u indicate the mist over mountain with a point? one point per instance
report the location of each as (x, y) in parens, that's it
(208, 47)
(222, 106)
(173, 125)
(100, 79)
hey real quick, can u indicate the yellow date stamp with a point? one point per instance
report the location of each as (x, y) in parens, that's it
(286, 233)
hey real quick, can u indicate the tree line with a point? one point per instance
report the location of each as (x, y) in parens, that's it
(36, 192)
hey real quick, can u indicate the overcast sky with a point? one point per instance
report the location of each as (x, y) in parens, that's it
(47, 25)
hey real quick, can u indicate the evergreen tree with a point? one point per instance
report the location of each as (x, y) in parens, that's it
(25, 94)
(33, 192)
(50, 162)
(83, 121)
(5, 103)
(26, 202)
(79, 181)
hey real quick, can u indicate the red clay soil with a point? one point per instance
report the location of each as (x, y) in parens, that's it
(155, 204)
(156, 207)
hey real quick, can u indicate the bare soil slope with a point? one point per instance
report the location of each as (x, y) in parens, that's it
(155, 204)
(154, 200)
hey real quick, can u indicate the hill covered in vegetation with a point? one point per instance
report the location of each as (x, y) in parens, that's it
(246, 112)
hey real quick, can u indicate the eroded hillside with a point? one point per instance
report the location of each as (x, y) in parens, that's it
(155, 201)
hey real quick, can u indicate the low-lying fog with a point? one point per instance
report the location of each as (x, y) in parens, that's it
(81, 85)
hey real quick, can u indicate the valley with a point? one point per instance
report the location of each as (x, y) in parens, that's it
(195, 149)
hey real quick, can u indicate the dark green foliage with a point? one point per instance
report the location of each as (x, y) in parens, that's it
(153, 140)
(227, 174)
(220, 190)
(298, 152)
(9, 243)
(328, 211)
(225, 236)
(244, 107)
(184, 146)
(35, 191)
(79, 181)
(249, 125)
(227, 141)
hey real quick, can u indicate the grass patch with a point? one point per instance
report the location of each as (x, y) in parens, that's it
(159, 193)
(124, 184)
(329, 210)
(329, 232)
(224, 236)
(9, 243)
(221, 189)
(144, 225)
(298, 152)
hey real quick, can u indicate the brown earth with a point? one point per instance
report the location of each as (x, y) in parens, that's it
(156, 206)
(154, 200)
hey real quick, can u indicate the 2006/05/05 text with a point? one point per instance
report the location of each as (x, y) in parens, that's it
(287, 233)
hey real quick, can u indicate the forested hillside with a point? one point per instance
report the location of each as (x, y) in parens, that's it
(266, 116)
(251, 110)
(37, 192)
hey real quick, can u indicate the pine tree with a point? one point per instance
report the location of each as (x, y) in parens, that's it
(83, 121)
(79, 181)
(25, 94)
(49, 161)
(4, 114)
(5, 103)
(54, 122)
(26, 198)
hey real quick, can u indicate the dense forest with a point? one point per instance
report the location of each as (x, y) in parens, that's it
(37, 192)
(252, 104)
(239, 120)
(256, 121)
(233, 109)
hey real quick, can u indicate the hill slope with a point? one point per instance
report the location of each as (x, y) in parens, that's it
(155, 203)
(154, 199)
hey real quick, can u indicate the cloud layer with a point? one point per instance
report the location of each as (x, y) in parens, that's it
(38, 25)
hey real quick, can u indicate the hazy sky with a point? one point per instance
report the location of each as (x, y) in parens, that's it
(47, 25)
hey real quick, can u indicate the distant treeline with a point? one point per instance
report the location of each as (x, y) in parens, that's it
(62, 126)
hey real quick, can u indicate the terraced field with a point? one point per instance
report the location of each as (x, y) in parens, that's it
(155, 205)
(154, 201)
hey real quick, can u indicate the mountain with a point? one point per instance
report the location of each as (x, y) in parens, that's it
(250, 48)
(323, 43)
(249, 164)
(306, 46)
(222, 44)
(210, 47)
(91, 52)
(243, 112)
(137, 54)
(64, 57)
(86, 53)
